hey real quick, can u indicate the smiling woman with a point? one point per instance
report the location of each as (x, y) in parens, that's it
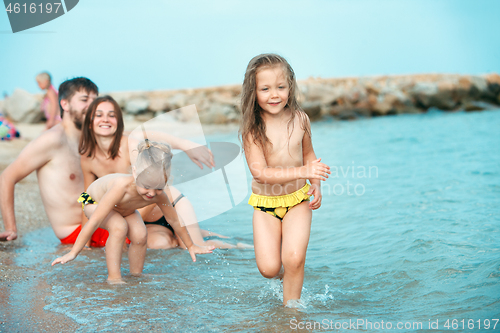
(105, 122)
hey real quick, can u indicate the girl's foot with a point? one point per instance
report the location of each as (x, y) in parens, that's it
(116, 281)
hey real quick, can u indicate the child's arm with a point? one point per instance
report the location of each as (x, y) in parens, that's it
(112, 197)
(174, 220)
(88, 178)
(197, 153)
(272, 175)
(310, 157)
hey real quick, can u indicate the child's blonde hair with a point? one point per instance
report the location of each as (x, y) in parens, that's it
(153, 157)
(44, 76)
(251, 120)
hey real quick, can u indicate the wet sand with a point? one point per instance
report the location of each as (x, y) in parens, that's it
(23, 311)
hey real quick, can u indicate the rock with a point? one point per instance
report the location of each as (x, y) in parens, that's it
(143, 117)
(445, 97)
(320, 92)
(217, 114)
(22, 106)
(463, 88)
(34, 117)
(400, 101)
(185, 114)
(225, 97)
(231, 113)
(493, 81)
(479, 106)
(342, 112)
(480, 90)
(381, 108)
(121, 97)
(200, 101)
(177, 101)
(356, 94)
(313, 109)
(480, 84)
(422, 92)
(362, 108)
(134, 106)
(371, 86)
(372, 100)
(348, 114)
(158, 104)
(430, 94)
(342, 98)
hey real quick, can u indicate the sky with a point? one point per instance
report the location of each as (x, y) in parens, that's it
(125, 45)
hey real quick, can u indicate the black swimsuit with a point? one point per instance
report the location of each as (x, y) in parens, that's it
(162, 221)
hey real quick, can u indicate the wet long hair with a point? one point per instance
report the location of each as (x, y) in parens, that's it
(153, 157)
(88, 142)
(251, 120)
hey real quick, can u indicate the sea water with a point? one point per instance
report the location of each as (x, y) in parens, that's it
(408, 234)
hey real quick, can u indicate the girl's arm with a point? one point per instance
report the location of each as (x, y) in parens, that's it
(88, 178)
(309, 157)
(112, 197)
(277, 175)
(174, 220)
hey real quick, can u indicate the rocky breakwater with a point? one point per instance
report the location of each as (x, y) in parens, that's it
(341, 98)
(350, 98)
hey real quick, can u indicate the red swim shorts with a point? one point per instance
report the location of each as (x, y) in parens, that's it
(98, 239)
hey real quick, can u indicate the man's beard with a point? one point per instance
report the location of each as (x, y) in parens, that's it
(78, 124)
(76, 119)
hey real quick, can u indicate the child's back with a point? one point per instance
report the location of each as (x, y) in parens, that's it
(111, 202)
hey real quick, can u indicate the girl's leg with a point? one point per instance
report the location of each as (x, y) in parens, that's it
(137, 235)
(296, 229)
(186, 211)
(117, 227)
(267, 243)
(159, 237)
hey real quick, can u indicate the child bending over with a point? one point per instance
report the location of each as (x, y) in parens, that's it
(111, 202)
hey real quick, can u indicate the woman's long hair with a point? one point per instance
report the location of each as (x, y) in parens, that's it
(251, 120)
(88, 141)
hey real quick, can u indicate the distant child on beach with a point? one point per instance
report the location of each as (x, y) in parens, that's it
(50, 103)
(7, 130)
(276, 137)
(111, 202)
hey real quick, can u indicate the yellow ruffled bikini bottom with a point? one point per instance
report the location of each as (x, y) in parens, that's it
(279, 205)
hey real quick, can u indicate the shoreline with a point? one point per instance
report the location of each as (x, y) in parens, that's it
(341, 98)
